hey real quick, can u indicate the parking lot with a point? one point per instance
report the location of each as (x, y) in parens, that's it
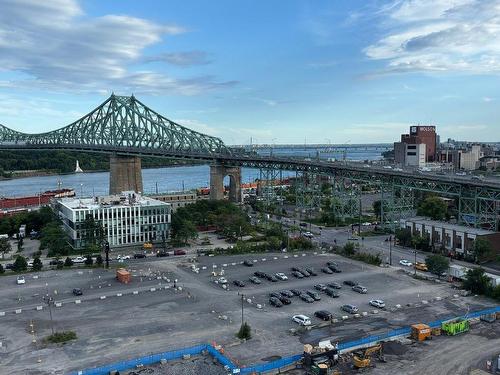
(149, 315)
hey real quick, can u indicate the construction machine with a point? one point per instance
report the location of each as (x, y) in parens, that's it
(320, 359)
(363, 358)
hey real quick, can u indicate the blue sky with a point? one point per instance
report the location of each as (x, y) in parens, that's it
(291, 71)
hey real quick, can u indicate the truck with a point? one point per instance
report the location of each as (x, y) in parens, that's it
(457, 272)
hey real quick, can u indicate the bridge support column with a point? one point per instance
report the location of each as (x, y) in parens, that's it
(217, 174)
(125, 174)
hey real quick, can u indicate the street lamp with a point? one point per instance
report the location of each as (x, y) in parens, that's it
(390, 250)
(49, 300)
(415, 264)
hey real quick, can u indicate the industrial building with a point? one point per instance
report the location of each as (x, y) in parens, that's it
(456, 239)
(128, 219)
(178, 199)
(418, 147)
(466, 158)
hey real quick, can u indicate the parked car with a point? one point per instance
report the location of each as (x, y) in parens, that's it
(273, 301)
(139, 256)
(313, 295)
(281, 276)
(421, 266)
(305, 273)
(335, 269)
(287, 293)
(255, 280)
(82, 259)
(272, 278)
(20, 280)
(323, 315)
(297, 274)
(275, 294)
(55, 262)
(351, 309)
(350, 282)
(162, 254)
(9, 266)
(296, 292)
(77, 292)
(179, 252)
(306, 297)
(259, 274)
(296, 269)
(377, 303)
(239, 283)
(320, 287)
(248, 263)
(308, 234)
(405, 263)
(331, 263)
(302, 320)
(327, 270)
(360, 289)
(222, 280)
(334, 285)
(284, 300)
(311, 271)
(332, 293)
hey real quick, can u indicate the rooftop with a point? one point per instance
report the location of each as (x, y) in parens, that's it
(450, 226)
(125, 199)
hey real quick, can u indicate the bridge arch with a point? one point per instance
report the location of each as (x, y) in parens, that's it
(217, 174)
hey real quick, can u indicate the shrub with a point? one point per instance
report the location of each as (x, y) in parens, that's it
(245, 332)
(37, 264)
(68, 262)
(1, 269)
(98, 260)
(89, 261)
(61, 337)
(20, 264)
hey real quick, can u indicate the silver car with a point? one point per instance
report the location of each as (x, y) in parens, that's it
(360, 289)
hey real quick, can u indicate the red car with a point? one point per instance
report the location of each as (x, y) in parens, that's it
(179, 252)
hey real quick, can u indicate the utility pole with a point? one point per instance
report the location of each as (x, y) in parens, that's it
(242, 317)
(49, 301)
(106, 252)
(415, 264)
(390, 250)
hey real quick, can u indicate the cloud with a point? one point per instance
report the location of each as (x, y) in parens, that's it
(181, 58)
(488, 99)
(55, 46)
(439, 36)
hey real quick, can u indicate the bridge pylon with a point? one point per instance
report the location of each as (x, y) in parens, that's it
(217, 174)
(125, 174)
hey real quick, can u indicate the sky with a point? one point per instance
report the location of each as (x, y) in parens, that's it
(261, 71)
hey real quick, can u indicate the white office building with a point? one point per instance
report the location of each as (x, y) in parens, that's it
(410, 155)
(127, 219)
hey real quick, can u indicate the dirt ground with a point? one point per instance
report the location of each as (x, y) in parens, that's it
(203, 364)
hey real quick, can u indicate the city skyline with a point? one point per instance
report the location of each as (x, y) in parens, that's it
(342, 73)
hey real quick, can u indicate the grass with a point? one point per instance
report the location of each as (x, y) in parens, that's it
(61, 337)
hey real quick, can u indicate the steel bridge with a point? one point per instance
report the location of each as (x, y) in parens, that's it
(127, 129)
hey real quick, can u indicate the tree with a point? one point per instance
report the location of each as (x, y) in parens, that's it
(349, 249)
(433, 207)
(404, 236)
(53, 238)
(20, 264)
(437, 264)
(99, 260)
(92, 235)
(4, 247)
(476, 281)
(37, 264)
(20, 243)
(1, 269)
(482, 250)
(68, 262)
(89, 261)
(245, 332)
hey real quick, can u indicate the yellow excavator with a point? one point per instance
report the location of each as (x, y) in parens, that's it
(363, 358)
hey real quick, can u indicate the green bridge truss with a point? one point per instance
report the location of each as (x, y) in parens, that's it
(121, 122)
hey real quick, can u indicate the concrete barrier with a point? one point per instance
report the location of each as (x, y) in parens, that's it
(285, 257)
(18, 311)
(2, 313)
(78, 301)
(119, 294)
(345, 317)
(275, 258)
(135, 292)
(102, 297)
(398, 306)
(304, 255)
(233, 264)
(38, 308)
(255, 260)
(152, 290)
(224, 265)
(425, 302)
(357, 315)
(35, 276)
(374, 311)
(364, 313)
(58, 304)
(263, 259)
(438, 298)
(204, 267)
(295, 256)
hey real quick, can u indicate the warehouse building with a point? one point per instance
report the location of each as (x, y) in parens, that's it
(128, 219)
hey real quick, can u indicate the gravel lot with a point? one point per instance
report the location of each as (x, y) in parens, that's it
(159, 318)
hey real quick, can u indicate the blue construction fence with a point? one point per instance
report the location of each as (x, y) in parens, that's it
(263, 367)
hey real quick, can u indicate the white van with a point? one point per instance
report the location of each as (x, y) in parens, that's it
(302, 320)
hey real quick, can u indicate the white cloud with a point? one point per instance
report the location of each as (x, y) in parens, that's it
(439, 35)
(58, 47)
(181, 58)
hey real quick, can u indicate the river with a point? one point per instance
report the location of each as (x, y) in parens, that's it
(155, 179)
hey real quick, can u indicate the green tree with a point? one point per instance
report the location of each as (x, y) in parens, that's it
(88, 260)
(4, 247)
(482, 250)
(53, 238)
(349, 249)
(433, 207)
(37, 264)
(20, 264)
(68, 262)
(476, 281)
(245, 332)
(183, 230)
(404, 236)
(98, 260)
(437, 264)
(92, 235)
(20, 243)
(1, 269)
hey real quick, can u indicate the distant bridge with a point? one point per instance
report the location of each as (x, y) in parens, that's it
(127, 129)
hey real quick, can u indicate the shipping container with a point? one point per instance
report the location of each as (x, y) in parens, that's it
(123, 276)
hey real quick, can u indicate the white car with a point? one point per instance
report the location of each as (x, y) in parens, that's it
(20, 280)
(302, 320)
(405, 262)
(78, 260)
(222, 280)
(377, 303)
(308, 234)
(281, 276)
